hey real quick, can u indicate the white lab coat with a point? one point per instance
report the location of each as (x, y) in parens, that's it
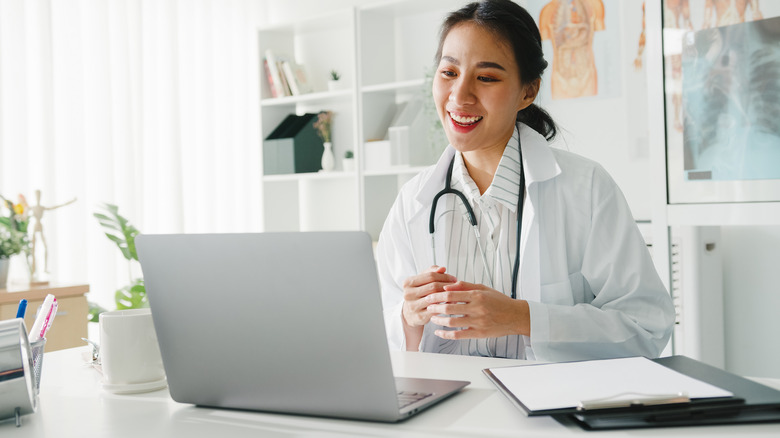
(585, 271)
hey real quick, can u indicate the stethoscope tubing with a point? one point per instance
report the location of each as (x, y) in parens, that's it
(448, 190)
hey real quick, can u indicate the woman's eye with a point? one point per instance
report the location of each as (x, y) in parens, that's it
(448, 73)
(487, 79)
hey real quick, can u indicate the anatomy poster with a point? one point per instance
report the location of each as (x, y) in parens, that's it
(581, 41)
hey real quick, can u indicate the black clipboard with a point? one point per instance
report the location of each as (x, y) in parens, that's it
(752, 403)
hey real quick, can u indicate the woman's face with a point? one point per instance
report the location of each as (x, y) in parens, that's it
(477, 89)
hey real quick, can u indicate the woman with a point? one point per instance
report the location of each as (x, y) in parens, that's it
(579, 284)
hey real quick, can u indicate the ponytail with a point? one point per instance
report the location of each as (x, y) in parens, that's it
(539, 120)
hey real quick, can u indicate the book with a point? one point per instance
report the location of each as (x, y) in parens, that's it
(270, 79)
(296, 78)
(275, 78)
(283, 77)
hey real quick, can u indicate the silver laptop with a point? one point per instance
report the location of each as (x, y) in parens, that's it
(278, 322)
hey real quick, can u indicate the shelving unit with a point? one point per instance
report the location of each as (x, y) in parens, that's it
(384, 53)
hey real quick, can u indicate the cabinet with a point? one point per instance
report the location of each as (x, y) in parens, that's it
(385, 55)
(70, 324)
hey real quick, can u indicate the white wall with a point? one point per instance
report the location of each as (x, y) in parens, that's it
(751, 259)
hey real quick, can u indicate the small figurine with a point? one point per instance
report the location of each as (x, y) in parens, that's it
(37, 213)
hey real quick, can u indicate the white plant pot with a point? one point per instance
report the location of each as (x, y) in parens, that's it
(348, 164)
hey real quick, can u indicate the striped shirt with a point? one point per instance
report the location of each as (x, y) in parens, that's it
(496, 213)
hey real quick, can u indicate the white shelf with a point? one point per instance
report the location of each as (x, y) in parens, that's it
(308, 176)
(399, 170)
(395, 86)
(322, 96)
(745, 213)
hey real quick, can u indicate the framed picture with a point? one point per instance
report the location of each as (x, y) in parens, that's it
(722, 99)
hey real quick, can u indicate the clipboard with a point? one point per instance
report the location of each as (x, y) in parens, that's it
(605, 385)
(752, 403)
(748, 402)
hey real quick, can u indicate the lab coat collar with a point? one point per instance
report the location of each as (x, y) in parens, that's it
(538, 160)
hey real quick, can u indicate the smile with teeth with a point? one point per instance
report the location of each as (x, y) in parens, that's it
(465, 121)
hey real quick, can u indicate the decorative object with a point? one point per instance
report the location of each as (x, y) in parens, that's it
(328, 162)
(294, 146)
(348, 163)
(333, 83)
(120, 231)
(323, 127)
(4, 264)
(13, 235)
(37, 233)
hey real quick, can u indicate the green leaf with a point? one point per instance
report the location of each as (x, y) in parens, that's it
(119, 230)
(94, 312)
(132, 296)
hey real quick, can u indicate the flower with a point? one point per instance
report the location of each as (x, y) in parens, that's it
(13, 228)
(322, 125)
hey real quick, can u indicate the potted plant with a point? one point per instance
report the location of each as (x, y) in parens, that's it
(13, 235)
(349, 161)
(120, 231)
(333, 83)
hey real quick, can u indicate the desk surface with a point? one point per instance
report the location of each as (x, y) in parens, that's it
(73, 404)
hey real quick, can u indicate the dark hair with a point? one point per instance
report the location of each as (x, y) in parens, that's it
(509, 21)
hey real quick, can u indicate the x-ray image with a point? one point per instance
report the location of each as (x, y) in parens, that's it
(731, 102)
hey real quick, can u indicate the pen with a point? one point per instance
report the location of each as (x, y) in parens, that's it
(49, 318)
(42, 318)
(22, 308)
(635, 400)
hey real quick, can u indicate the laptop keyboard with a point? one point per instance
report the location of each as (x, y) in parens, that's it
(405, 398)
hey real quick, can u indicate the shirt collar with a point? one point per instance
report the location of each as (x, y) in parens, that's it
(505, 187)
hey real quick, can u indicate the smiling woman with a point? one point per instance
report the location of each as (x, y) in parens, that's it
(569, 279)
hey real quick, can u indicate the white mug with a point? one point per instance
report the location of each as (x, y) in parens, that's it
(129, 353)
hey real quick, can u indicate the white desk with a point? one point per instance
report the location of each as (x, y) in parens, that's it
(73, 404)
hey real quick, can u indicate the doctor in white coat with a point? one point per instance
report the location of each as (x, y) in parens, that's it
(580, 285)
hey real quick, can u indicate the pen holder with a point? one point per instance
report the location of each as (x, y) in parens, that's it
(16, 372)
(37, 358)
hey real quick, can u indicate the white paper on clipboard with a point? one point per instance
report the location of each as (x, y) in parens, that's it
(565, 385)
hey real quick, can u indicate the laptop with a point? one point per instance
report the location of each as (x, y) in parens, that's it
(277, 322)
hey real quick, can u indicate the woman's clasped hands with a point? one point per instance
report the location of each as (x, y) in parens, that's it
(473, 310)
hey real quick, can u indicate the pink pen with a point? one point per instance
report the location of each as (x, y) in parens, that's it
(49, 318)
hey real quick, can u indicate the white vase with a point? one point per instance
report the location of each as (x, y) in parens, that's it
(4, 264)
(328, 161)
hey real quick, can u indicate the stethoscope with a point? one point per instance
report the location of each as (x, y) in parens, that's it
(473, 220)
